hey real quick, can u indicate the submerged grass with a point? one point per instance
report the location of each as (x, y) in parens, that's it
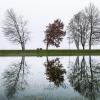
(49, 52)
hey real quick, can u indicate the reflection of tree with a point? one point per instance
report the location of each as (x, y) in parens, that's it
(55, 72)
(14, 78)
(85, 79)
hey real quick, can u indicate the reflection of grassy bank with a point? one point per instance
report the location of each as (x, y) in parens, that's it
(48, 53)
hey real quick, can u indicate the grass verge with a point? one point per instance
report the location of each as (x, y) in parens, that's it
(49, 52)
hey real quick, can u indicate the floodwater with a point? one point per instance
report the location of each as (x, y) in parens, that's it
(50, 78)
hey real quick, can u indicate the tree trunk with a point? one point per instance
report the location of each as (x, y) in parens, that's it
(90, 46)
(91, 71)
(23, 60)
(90, 62)
(47, 59)
(91, 33)
(78, 42)
(82, 41)
(83, 47)
(90, 43)
(23, 46)
(78, 47)
(47, 46)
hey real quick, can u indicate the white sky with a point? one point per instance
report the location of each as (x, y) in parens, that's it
(39, 13)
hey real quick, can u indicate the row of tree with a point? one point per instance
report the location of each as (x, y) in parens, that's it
(83, 28)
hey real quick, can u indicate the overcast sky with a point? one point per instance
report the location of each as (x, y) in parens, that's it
(39, 13)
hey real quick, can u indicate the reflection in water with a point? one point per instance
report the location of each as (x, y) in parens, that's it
(85, 78)
(15, 78)
(55, 72)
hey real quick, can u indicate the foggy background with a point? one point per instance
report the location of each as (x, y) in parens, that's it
(39, 14)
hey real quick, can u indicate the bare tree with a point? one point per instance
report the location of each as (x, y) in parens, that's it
(15, 29)
(83, 28)
(78, 28)
(93, 16)
(73, 31)
(54, 33)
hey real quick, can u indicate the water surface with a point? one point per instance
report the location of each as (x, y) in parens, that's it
(50, 78)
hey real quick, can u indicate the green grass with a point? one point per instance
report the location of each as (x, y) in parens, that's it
(49, 52)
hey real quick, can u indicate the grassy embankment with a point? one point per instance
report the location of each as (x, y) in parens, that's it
(49, 52)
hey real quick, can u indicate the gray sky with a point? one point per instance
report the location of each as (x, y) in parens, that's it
(39, 13)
